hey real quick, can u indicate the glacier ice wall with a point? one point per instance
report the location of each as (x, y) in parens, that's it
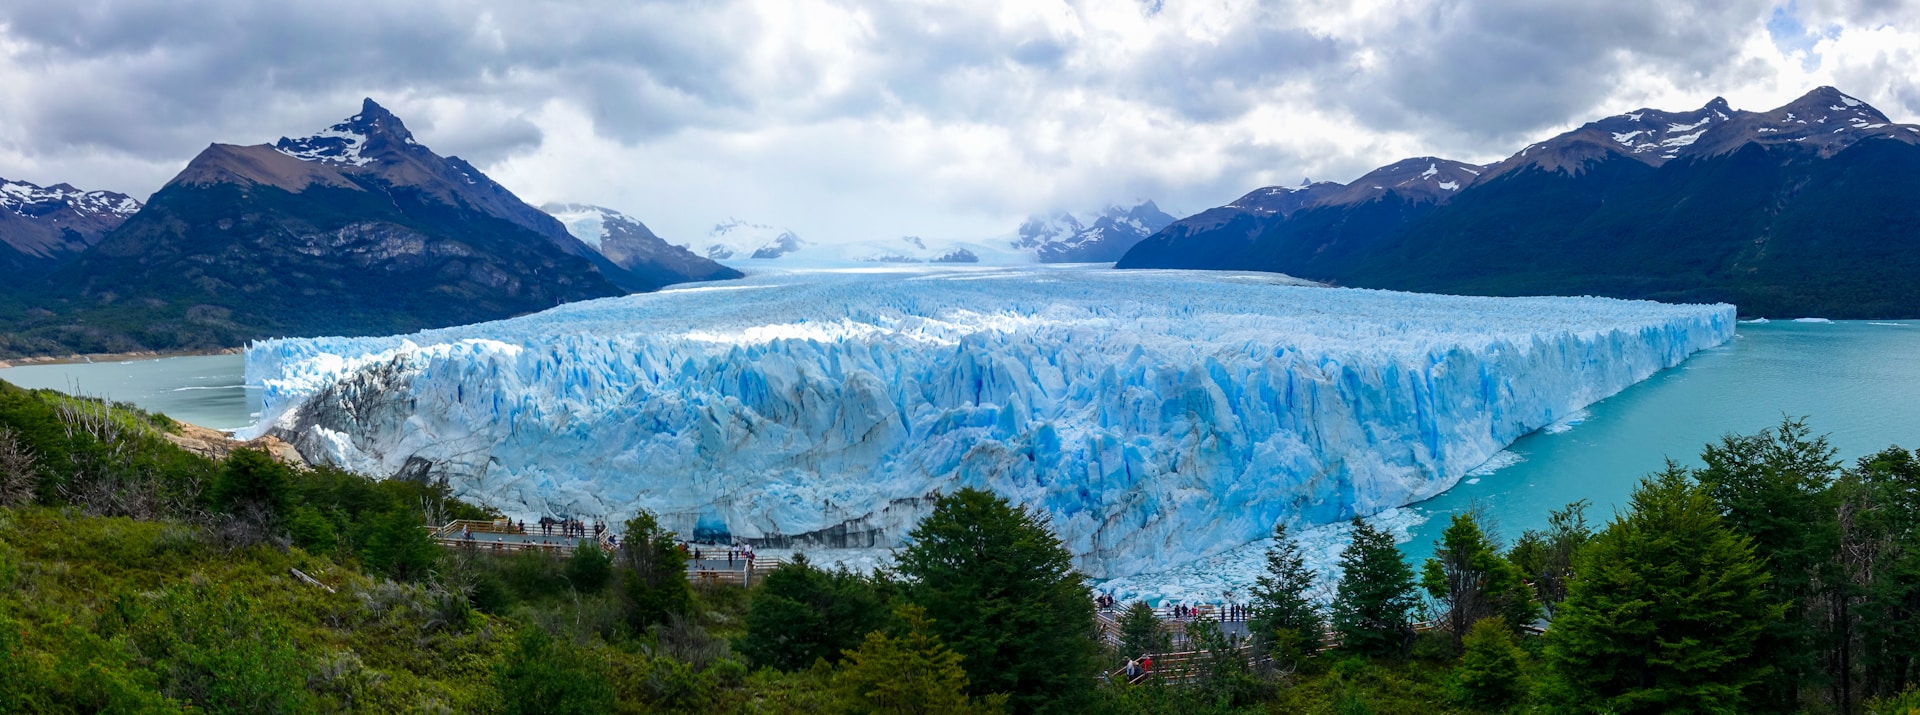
(1157, 417)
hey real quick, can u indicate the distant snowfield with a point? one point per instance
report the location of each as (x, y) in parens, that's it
(1157, 418)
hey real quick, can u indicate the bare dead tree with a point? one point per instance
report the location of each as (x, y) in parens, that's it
(19, 470)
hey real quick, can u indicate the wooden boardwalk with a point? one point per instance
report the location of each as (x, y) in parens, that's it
(503, 536)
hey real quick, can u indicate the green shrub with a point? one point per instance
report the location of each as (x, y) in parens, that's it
(217, 649)
(543, 677)
(1489, 675)
(589, 569)
(312, 531)
(399, 546)
(253, 476)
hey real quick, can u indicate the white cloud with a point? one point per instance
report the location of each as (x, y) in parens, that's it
(863, 120)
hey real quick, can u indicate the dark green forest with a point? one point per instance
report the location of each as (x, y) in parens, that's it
(138, 578)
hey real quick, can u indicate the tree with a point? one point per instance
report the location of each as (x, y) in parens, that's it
(589, 568)
(399, 546)
(1473, 581)
(1223, 673)
(912, 674)
(1489, 674)
(19, 469)
(1004, 595)
(1286, 623)
(311, 530)
(253, 477)
(1774, 488)
(1141, 632)
(536, 678)
(1664, 610)
(1375, 594)
(801, 614)
(1546, 557)
(1884, 560)
(654, 581)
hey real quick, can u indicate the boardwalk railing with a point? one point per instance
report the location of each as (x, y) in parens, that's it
(747, 573)
(1187, 667)
(1181, 668)
(502, 536)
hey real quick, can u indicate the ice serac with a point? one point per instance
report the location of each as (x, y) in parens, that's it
(1157, 417)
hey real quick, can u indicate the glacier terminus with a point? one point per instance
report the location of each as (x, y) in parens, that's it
(1155, 417)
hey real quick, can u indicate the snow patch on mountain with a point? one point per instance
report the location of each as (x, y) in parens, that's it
(1156, 417)
(339, 144)
(587, 223)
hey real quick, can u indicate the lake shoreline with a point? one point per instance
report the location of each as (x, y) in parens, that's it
(114, 357)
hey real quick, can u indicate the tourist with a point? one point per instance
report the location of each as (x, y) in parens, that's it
(1133, 670)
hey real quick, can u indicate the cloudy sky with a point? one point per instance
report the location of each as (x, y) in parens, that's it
(849, 119)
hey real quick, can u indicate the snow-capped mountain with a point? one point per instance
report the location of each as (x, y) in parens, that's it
(356, 229)
(1063, 238)
(1824, 121)
(906, 249)
(1227, 234)
(1423, 179)
(1284, 200)
(1805, 209)
(42, 227)
(631, 245)
(735, 239)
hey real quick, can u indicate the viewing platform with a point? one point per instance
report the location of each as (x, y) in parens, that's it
(505, 536)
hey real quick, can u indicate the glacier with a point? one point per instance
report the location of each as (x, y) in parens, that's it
(1157, 418)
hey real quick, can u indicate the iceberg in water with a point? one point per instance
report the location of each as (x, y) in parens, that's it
(1157, 417)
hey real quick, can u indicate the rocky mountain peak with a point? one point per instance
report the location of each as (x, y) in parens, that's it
(1420, 179)
(1824, 121)
(1827, 103)
(358, 141)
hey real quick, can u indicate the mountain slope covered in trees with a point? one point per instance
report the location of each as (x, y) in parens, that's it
(356, 230)
(1803, 210)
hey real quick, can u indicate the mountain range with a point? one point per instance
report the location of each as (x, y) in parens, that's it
(358, 229)
(1064, 238)
(1802, 210)
(41, 228)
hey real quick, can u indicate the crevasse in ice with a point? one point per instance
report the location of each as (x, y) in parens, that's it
(1156, 417)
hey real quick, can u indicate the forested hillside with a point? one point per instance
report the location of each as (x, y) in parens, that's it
(137, 577)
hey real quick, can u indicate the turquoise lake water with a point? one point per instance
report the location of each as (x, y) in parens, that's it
(205, 390)
(1857, 382)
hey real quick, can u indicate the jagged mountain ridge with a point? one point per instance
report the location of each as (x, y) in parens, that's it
(42, 227)
(1063, 238)
(741, 239)
(631, 245)
(1801, 210)
(358, 229)
(1229, 235)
